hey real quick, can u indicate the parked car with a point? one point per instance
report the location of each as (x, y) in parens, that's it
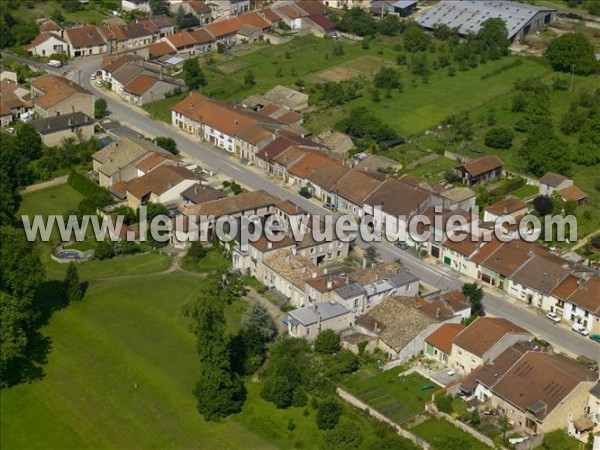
(304, 192)
(93, 77)
(578, 328)
(595, 337)
(329, 206)
(401, 245)
(553, 317)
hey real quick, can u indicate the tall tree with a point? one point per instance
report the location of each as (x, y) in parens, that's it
(21, 273)
(99, 108)
(159, 7)
(71, 284)
(327, 341)
(572, 51)
(474, 294)
(416, 39)
(492, 38)
(193, 74)
(219, 392)
(30, 141)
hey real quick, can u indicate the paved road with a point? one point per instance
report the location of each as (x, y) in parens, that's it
(439, 277)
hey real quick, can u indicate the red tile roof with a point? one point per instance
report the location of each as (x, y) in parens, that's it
(443, 336)
(159, 181)
(313, 8)
(84, 36)
(582, 292)
(481, 335)
(48, 25)
(319, 169)
(323, 22)
(482, 165)
(140, 84)
(572, 193)
(201, 36)
(181, 40)
(509, 205)
(159, 49)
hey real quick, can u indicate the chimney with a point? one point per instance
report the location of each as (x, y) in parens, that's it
(438, 313)
(314, 274)
(325, 271)
(347, 279)
(269, 245)
(329, 284)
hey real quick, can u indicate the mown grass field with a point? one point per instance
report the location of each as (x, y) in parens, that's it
(130, 332)
(122, 333)
(397, 397)
(213, 261)
(435, 431)
(423, 106)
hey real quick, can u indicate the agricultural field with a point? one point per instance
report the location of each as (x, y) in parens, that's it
(396, 396)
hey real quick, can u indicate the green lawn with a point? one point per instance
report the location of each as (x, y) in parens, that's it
(161, 109)
(92, 13)
(433, 170)
(122, 333)
(52, 200)
(399, 398)
(60, 199)
(436, 430)
(212, 261)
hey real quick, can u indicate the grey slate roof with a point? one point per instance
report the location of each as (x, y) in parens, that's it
(596, 390)
(350, 290)
(402, 279)
(127, 73)
(63, 122)
(311, 314)
(468, 15)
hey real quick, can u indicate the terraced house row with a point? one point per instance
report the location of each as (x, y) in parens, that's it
(157, 33)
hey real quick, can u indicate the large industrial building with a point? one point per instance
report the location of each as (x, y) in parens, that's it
(468, 16)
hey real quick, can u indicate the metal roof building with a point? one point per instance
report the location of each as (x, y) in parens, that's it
(468, 16)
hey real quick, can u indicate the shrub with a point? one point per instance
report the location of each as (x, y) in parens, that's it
(328, 414)
(299, 398)
(543, 205)
(499, 137)
(168, 144)
(196, 251)
(104, 250)
(444, 403)
(327, 342)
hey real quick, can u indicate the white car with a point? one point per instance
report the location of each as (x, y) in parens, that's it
(553, 317)
(578, 328)
(93, 77)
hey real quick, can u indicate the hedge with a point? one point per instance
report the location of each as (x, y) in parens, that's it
(508, 186)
